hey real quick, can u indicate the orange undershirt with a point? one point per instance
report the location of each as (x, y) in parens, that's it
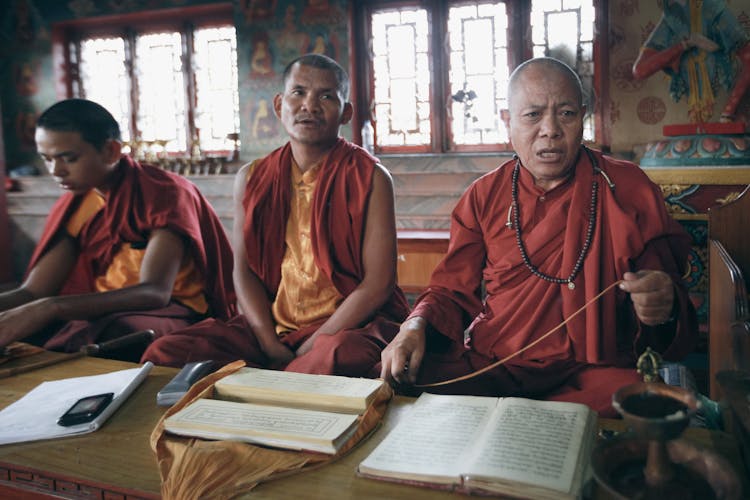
(305, 295)
(125, 268)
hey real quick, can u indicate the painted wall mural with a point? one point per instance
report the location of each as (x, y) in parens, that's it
(269, 35)
(648, 102)
(272, 32)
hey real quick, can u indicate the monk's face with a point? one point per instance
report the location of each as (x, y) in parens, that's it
(75, 163)
(546, 123)
(311, 108)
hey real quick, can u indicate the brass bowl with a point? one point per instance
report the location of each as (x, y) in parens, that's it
(655, 411)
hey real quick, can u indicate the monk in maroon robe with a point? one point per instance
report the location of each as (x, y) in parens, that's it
(128, 246)
(315, 246)
(532, 242)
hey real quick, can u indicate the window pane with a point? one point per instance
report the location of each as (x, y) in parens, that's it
(104, 80)
(402, 77)
(217, 106)
(478, 68)
(161, 90)
(564, 30)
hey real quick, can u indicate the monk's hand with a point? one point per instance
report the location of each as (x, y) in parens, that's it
(652, 293)
(400, 360)
(277, 352)
(701, 42)
(22, 321)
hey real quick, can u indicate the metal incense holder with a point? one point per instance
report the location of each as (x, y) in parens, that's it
(650, 461)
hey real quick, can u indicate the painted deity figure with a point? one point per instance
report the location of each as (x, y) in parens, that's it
(700, 45)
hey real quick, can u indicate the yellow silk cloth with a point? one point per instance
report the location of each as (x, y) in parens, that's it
(305, 295)
(125, 268)
(701, 94)
(196, 468)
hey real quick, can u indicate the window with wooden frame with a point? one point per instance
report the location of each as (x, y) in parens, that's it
(168, 77)
(435, 72)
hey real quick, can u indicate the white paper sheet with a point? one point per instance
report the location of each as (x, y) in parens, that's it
(35, 415)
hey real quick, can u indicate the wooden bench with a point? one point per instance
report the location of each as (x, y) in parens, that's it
(419, 251)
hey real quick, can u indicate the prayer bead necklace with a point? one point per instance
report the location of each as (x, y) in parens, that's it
(589, 231)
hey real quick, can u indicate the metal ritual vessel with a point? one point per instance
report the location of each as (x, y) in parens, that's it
(650, 460)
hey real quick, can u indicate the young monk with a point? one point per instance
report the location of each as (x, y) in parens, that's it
(127, 247)
(545, 233)
(315, 246)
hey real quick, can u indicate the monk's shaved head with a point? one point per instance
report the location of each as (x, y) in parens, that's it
(545, 119)
(547, 64)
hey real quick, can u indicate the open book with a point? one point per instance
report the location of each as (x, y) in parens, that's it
(512, 446)
(282, 409)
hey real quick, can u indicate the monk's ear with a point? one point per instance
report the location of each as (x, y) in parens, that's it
(277, 105)
(505, 117)
(346, 113)
(112, 150)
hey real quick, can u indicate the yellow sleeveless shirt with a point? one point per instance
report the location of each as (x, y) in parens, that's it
(305, 295)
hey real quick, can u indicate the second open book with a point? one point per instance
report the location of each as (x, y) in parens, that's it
(512, 446)
(281, 409)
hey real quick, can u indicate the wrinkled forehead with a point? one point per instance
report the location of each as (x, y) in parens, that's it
(312, 77)
(541, 84)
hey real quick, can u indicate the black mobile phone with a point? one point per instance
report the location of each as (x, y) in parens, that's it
(85, 409)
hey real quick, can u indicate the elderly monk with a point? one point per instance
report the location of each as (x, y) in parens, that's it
(127, 247)
(543, 234)
(314, 242)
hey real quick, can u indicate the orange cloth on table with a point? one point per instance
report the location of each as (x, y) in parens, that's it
(226, 469)
(124, 270)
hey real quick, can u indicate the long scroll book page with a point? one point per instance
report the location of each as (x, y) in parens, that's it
(280, 409)
(511, 446)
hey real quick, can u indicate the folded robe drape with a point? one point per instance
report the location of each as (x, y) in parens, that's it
(339, 207)
(144, 198)
(633, 231)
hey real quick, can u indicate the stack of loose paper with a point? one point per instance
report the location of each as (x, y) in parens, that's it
(35, 415)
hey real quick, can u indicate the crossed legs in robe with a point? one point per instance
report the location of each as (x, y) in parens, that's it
(352, 352)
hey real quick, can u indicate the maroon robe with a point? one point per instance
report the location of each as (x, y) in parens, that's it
(144, 198)
(337, 230)
(633, 231)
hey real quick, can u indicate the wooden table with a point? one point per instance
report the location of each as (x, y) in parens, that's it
(110, 463)
(117, 462)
